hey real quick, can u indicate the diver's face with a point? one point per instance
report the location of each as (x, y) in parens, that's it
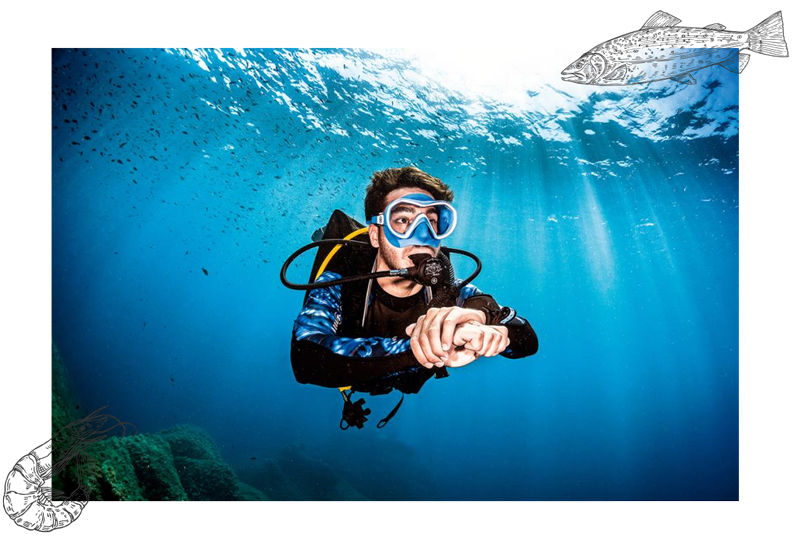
(397, 258)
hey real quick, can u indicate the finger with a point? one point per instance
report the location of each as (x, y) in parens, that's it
(434, 334)
(495, 341)
(505, 341)
(476, 342)
(430, 357)
(495, 345)
(488, 338)
(421, 335)
(432, 331)
(410, 328)
(427, 319)
(470, 332)
(440, 319)
(453, 357)
(457, 317)
(449, 324)
(418, 326)
(422, 345)
(461, 336)
(502, 330)
(416, 347)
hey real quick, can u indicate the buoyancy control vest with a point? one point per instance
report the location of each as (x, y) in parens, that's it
(349, 259)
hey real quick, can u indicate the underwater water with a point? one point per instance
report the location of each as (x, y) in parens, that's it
(608, 218)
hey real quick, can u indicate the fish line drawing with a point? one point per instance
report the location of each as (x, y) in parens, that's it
(662, 50)
(28, 497)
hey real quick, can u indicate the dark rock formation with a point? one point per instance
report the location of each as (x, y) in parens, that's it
(295, 475)
(183, 463)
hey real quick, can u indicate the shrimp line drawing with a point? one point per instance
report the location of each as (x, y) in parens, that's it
(28, 497)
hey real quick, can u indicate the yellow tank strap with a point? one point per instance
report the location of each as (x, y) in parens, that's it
(335, 250)
(328, 258)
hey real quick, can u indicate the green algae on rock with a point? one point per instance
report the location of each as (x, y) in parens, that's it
(116, 478)
(184, 463)
(155, 468)
(189, 441)
(207, 480)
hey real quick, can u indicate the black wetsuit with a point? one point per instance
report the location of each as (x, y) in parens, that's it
(331, 348)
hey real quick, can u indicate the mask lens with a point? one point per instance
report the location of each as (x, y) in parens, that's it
(419, 216)
(403, 215)
(446, 220)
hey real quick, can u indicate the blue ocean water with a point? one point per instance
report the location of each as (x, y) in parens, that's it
(607, 217)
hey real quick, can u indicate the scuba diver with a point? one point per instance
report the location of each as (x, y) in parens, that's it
(383, 310)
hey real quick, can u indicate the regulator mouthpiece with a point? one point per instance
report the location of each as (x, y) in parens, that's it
(428, 270)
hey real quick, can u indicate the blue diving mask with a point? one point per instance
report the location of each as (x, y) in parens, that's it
(417, 220)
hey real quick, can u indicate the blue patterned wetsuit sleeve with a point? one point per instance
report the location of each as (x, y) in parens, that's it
(321, 316)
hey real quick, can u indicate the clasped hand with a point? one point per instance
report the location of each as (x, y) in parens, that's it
(454, 337)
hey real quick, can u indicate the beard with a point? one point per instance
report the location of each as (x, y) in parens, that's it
(397, 258)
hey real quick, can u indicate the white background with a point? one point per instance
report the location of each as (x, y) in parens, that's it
(626, 518)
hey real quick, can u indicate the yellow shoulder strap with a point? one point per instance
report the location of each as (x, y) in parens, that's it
(328, 258)
(335, 250)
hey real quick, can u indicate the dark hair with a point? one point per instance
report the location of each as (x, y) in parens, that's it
(384, 182)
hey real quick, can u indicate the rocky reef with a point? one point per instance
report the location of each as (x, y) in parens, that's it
(294, 474)
(183, 463)
(178, 464)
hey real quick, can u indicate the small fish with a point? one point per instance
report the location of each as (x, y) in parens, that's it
(204, 271)
(661, 50)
